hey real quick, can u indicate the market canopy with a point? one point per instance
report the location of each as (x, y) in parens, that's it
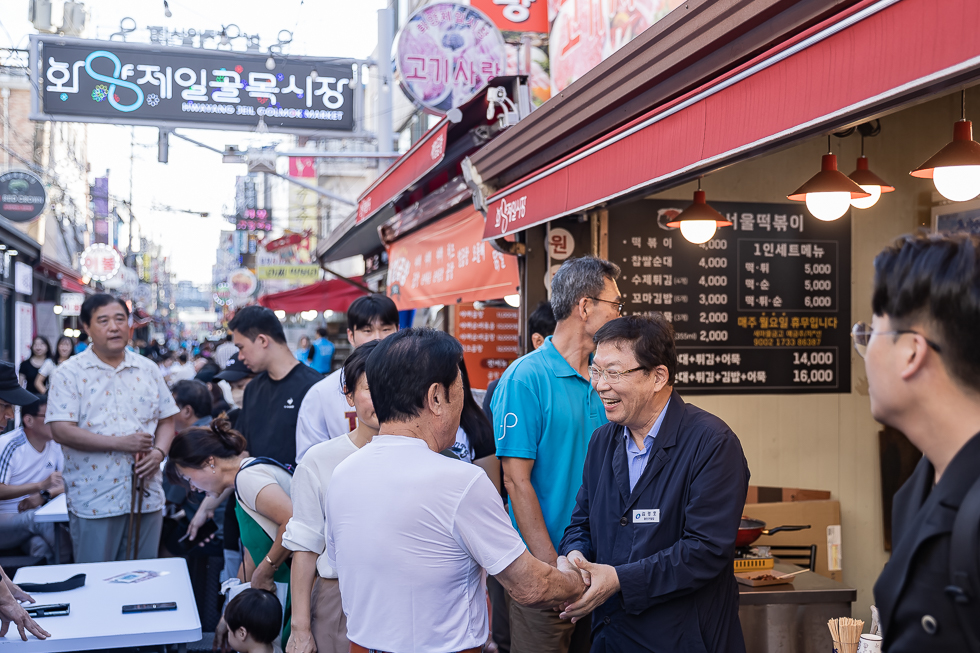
(328, 295)
(803, 87)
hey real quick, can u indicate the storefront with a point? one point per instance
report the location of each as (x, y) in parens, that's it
(18, 256)
(762, 318)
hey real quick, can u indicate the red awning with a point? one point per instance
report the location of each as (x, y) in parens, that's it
(873, 57)
(425, 155)
(448, 262)
(70, 280)
(327, 295)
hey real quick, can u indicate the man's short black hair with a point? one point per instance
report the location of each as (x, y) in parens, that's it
(403, 366)
(652, 337)
(195, 394)
(935, 279)
(253, 321)
(257, 611)
(355, 366)
(97, 301)
(322, 332)
(367, 310)
(34, 408)
(541, 320)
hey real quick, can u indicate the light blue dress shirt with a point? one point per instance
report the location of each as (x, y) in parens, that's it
(638, 459)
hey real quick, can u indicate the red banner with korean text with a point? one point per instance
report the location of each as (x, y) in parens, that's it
(516, 15)
(448, 263)
(489, 338)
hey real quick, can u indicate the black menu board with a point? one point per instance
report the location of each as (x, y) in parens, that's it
(764, 307)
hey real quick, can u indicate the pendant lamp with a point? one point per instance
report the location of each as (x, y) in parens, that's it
(699, 221)
(955, 169)
(828, 193)
(868, 181)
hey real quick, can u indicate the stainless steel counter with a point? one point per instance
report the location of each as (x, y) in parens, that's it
(792, 618)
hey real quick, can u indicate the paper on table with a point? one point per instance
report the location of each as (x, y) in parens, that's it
(136, 576)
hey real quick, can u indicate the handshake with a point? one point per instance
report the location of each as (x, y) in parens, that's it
(595, 583)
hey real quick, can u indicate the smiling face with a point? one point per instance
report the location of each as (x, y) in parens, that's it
(204, 479)
(109, 329)
(630, 400)
(65, 348)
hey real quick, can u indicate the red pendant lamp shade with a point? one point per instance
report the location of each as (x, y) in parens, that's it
(828, 180)
(699, 210)
(863, 176)
(961, 151)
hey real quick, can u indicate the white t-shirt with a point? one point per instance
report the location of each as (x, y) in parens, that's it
(462, 447)
(253, 480)
(324, 414)
(21, 463)
(410, 533)
(305, 530)
(47, 367)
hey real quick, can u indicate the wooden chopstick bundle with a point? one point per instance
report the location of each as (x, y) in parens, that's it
(846, 633)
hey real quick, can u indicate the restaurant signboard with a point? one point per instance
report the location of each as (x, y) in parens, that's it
(22, 196)
(490, 341)
(763, 307)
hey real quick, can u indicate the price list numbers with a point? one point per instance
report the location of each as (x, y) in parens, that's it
(787, 369)
(792, 276)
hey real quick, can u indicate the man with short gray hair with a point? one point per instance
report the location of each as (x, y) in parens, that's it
(545, 411)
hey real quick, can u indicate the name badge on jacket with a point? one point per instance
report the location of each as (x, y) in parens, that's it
(646, 516)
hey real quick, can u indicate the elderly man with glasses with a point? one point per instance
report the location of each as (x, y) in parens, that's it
(922, 359)
(656, 518)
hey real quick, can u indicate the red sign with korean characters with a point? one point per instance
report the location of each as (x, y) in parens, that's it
(516, 15)
(490, 341)
(447, 263)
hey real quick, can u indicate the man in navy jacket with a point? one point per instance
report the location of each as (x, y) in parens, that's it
(656, 517)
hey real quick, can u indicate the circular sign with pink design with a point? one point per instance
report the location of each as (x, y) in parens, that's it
(446, 54)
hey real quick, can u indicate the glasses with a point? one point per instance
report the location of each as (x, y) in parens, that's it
(861, 333)
(619, 305)
(609, 377)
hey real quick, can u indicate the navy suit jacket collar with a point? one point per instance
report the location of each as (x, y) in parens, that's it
(659, 455)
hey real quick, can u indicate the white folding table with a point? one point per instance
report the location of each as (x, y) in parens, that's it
(55, 511)
(96, 620)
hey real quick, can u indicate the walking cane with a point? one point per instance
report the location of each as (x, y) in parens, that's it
(132, 509)
(135, 511)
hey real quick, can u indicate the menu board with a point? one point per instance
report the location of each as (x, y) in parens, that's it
(490, 341)
(761, 308)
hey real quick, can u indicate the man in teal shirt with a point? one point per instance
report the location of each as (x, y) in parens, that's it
(545, 411)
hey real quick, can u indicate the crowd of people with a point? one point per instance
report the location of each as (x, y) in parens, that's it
(586, 505)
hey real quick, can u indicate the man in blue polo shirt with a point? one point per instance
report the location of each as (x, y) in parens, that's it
(545, 411)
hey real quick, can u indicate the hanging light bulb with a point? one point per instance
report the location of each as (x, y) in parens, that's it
(868, 181)
(699, 221)
(828, 193)
(513, 300)
(270, 63)
(166, 9)
(955, 169)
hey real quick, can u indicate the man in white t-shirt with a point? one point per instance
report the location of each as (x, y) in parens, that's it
(325, 413)
(411, 533)
(30, 475)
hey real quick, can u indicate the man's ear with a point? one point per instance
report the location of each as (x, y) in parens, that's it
(581, 308)
(28, 421)
(350, 337)
(913, 356)
(436, 398)
(262, 340)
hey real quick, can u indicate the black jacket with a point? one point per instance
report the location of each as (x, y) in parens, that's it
(678, 590)
(916, 613)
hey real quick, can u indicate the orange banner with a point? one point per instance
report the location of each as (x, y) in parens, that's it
(489, 339)
(448, 263)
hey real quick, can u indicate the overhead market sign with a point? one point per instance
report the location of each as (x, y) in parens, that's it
(101, 262)
(81, 80)
(22, 196)
(446, 54)
(307, 273)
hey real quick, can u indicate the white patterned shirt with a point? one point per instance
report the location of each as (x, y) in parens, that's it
(108, 401)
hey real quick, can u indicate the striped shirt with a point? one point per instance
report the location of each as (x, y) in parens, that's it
(21, 463)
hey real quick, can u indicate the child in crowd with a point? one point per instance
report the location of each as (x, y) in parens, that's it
(254, 620)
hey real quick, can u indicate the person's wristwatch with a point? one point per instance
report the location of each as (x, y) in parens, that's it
(45, 495)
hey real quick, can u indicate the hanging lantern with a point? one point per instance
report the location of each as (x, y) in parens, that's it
(955, 169)
(868, 181)
(699, 221)
(828, 193)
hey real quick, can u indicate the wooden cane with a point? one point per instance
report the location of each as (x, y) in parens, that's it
(132, 509)
(140, 487)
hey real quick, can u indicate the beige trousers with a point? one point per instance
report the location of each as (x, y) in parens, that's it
(327, 619)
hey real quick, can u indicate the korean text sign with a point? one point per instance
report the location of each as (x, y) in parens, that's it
(490, 341)
(447, 263)
(126, 83)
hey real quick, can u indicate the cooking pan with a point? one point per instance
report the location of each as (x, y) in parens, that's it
(751, 529)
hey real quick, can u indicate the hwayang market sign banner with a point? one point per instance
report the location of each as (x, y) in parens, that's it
(82, 80)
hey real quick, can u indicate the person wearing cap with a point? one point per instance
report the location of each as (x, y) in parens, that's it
(237, 375)
(113, 415)
(11, 611)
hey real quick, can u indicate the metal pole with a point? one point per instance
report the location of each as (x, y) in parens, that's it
(317, 189)
(386, 36)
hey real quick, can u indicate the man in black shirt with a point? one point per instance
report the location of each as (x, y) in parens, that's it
(271, 402)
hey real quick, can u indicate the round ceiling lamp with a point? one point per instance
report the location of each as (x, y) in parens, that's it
(699, 221)
(955, 169)
(828, 193)
(862, 175)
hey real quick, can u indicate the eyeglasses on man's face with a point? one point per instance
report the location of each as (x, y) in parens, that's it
(861, 334)
(619, 305)
(609, 376)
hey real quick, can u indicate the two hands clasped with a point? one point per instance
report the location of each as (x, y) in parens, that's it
(148, 458)
(601, 582)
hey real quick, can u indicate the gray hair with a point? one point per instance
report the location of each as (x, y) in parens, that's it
(578, 278)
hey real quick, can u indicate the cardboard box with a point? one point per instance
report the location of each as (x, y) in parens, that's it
(824, 520)
(761, 494)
